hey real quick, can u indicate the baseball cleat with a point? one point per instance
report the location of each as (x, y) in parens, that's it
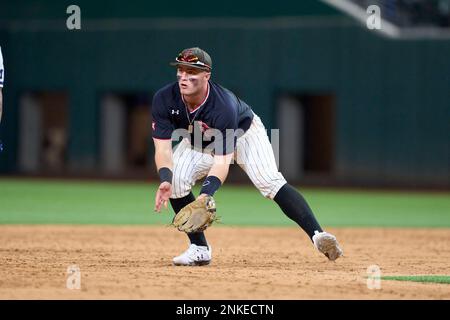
(194, 256)
(327, 244)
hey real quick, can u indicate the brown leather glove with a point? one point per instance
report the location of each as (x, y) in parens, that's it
(196, 216)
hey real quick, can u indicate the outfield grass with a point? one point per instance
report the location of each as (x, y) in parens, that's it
(430, 278)
(71, 202)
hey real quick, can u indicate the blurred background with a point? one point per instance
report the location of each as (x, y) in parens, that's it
(355, 107)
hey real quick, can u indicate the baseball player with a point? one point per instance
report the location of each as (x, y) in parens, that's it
(2, 77)
(196, 106)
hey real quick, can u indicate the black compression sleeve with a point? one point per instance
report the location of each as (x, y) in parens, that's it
(210, 185)
(165, 174)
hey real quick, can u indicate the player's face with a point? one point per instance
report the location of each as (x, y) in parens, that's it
(191, 80)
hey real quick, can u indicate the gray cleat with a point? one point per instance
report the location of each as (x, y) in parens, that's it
(327, 244)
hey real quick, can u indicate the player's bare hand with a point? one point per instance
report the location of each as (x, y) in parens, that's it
(162, 196)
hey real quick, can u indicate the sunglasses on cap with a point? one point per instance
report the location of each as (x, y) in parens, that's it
(191, 59)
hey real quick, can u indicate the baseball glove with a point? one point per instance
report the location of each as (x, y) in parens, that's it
(196, 216)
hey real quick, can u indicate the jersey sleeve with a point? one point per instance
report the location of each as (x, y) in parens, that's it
(2, 69)
(162, 126)
(227, 124)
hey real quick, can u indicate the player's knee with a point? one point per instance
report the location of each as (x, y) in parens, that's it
(180, 191)
(271, 185)
(179, 194)
(180, 187)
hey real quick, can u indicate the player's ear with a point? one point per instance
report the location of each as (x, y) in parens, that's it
(208, 75)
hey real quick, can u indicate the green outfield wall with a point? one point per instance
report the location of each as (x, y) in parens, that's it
(392, 96)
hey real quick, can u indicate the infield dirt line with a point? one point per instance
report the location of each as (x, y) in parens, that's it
(134, 262)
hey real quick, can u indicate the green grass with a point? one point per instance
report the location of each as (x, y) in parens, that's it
(72, 202)
(430, 278)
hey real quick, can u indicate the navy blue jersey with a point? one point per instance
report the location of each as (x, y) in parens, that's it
(221, 110)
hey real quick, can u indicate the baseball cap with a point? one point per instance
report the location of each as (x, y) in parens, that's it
(193, 57)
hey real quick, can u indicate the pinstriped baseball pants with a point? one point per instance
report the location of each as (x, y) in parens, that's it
(253, 154)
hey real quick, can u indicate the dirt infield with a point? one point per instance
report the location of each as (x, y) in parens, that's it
(249, 263)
